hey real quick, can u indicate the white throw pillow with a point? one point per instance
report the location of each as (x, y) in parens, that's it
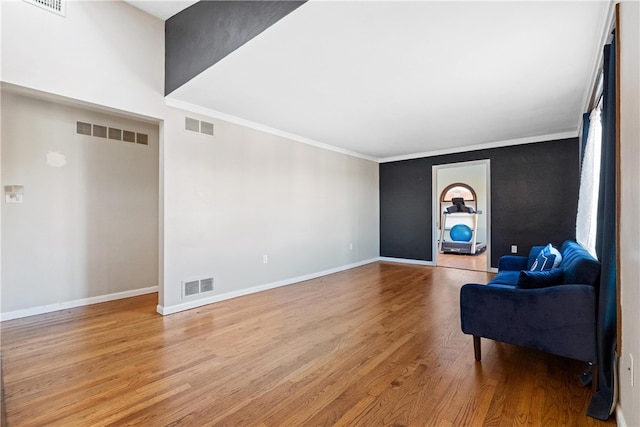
(554, 251)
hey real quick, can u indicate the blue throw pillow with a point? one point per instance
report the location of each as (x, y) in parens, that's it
(540, 279)
(544, 261)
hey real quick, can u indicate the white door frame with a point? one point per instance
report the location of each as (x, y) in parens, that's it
(436, 205)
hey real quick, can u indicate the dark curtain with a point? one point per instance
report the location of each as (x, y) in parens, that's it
(602, 402)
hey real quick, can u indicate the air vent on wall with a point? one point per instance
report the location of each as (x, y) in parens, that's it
(142, 138)
(83, 128)
(195, 287)
(206, 285)
(55, 6)
(195, 125)
(191, 288)
(128, 136)
(101, 131)
(206, 128)
(115, 134)
(192, 124)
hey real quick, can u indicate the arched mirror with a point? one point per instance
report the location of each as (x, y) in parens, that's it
(458, 190)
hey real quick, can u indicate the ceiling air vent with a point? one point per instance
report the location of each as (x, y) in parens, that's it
(55, 6)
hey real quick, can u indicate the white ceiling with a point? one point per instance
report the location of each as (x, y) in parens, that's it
(387, 79)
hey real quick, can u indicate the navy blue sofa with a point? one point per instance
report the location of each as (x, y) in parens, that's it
(555, 312)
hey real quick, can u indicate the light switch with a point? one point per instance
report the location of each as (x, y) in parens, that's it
(13, 193)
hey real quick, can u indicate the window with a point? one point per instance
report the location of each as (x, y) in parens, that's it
(587, 219)
(458, 190)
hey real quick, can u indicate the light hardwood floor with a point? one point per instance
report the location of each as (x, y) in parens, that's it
(465, 262)
(378, 345)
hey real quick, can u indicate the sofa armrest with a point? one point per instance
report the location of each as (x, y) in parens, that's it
(559, 320)
(512, 263)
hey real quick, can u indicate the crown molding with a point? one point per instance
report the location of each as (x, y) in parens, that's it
(257, 126)
(488, 145)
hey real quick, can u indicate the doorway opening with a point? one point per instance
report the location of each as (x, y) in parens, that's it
(461, 204)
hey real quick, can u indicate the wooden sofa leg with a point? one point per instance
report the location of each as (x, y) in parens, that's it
(476, 348)
(594, 378)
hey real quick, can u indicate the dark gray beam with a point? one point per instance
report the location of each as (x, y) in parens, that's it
(206, 32)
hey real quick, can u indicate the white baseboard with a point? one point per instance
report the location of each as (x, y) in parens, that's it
(75, 303)
(406, 261)
(165, 310)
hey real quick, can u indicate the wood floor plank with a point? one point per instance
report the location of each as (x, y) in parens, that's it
(378, 345)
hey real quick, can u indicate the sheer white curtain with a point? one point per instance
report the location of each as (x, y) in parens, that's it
(586, 221)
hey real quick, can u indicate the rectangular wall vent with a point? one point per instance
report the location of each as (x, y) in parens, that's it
(56, 6)
(206, 128)
(128, 136)
(206, 285)
(83, 128)
(142, 138)
(115, 134)
(191, 288)
(191, 124)
(195, 287)
(195, 125)
(100, 131)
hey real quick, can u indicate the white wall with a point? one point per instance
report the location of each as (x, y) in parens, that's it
(88, 226)
(629, 40)
(245, 194)
(224, 201)
(104, 52)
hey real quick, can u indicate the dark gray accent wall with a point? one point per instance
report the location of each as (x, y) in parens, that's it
(206, 32)
(534, 198)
